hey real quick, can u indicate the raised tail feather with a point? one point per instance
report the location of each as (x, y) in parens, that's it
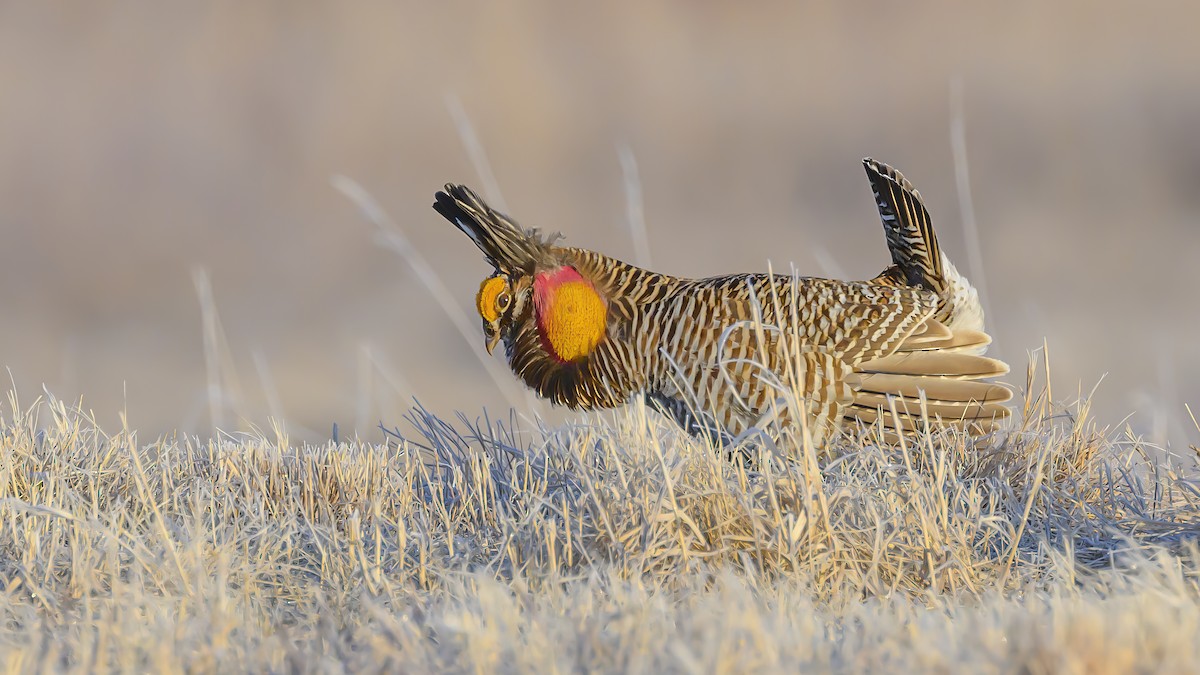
(907, 226)
(918, 260)
(507, 246)
(939, 372)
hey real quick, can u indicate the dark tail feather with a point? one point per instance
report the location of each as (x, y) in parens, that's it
(505, 245)
(906, 224)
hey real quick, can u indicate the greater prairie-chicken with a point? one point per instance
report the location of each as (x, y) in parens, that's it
(719, 355)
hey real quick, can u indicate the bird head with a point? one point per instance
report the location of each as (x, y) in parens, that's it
(495, 302)
(534, 289)
(567, 313)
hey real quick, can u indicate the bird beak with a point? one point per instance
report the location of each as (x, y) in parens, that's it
(491, 333)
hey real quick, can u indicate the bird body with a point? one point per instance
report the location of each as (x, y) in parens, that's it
(720, 355)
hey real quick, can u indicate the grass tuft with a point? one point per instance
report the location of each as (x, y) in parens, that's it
(611, 544)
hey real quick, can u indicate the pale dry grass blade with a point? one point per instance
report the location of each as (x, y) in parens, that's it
(398, 386)
(364, 387)
(962, 182)
(475, 151)
(828, 264)
(1194, 424)
(223, 386)
(212, 369)
(270, 391)
(391, 235)
(635, 211)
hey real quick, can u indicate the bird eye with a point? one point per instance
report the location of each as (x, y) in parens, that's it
(502, 301)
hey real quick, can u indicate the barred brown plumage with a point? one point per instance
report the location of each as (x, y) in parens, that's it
(720, 355)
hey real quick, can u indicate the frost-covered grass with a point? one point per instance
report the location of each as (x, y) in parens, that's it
(612, 544)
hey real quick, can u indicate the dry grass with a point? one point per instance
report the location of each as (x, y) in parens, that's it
(614, 544)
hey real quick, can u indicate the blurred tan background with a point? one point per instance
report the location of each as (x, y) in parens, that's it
(139, 141)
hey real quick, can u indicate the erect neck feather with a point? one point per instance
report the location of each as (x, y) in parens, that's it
(571, 315)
